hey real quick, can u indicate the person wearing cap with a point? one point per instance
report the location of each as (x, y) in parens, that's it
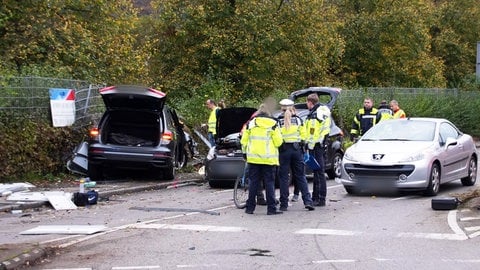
(291, 155)
(317, 127)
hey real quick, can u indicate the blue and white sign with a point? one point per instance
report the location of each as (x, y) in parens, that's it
(62, 103)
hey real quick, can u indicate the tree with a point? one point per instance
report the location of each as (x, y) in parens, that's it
(88, 39)
(388, 44)
(455, 38)
(253, 46)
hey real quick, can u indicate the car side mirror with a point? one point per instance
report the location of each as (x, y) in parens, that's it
(450, 141)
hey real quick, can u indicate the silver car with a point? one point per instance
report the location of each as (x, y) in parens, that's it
(410, 154)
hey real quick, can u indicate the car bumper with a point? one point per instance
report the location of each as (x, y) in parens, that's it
(224, 168)
(120, 158)
(412, 176)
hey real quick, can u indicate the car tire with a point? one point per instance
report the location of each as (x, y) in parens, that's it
(434, 181)
(95, 172)
(169, 173)
(350, 189)
(335, 170)
(183, 160)
(472, 173)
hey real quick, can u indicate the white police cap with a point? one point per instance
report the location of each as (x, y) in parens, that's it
(286, 102)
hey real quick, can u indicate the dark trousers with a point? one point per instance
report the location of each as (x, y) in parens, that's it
(291, 158)
(319, 181)
(256, 173)
(211, 139)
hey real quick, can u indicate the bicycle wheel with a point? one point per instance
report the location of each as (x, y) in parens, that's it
(240, 192)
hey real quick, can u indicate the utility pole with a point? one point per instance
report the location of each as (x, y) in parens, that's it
(478, 62)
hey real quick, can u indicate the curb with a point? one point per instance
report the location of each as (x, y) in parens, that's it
(29, 257)
(26, 258)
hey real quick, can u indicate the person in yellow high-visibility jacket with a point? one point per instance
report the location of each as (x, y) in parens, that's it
(212, 121)
(291, 156)
(260, 142)
(317, 125)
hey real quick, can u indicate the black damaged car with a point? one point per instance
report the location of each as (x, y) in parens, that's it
(138, 131)
(224, 162)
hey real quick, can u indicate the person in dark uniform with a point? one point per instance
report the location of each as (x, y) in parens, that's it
(364, 119)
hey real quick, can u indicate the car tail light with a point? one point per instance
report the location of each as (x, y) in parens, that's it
(166, 137)
(94, 133)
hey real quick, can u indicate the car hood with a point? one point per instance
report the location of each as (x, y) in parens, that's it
(231, 120)
(387, 151)
(132, 98)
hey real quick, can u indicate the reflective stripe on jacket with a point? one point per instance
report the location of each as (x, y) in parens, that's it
(296, 131)
(364, 120)
(316, 130)
(260, 141)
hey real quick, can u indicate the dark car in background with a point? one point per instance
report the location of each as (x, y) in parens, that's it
(333, 147)
(138, 131)
(224, 161)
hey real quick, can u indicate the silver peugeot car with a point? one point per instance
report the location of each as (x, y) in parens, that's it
(410, 154)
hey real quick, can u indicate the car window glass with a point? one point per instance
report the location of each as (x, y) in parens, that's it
(447, 131)
(403, 130)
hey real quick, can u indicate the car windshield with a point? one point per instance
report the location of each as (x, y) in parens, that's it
(401, 130)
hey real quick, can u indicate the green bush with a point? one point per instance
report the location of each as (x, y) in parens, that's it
(31, 148)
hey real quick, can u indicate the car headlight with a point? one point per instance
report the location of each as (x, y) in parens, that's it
(211, 153)
(412, 158)
(348, 156)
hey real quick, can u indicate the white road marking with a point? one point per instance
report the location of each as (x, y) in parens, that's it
(68, 269)
(196, 265)
(473, 235)
(436, 236)
(136, 267)
(189, 227)
(336, 186)
(404, 198)
(335, 261)
(469, 218)
(452, 222)
(327, 232)
(474, 228)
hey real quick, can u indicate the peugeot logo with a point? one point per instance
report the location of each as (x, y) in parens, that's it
(377, 157)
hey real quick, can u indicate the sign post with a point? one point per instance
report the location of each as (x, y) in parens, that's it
(62, 103)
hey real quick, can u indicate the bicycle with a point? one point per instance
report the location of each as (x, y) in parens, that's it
(240, 189)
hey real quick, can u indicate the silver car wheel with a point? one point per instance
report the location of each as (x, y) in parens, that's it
(472, 173)
(434, 183)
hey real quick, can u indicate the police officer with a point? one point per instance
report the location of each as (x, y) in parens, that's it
(291, 155)
(384, 110)
(260, 142)
(364, 119)
(317, 126)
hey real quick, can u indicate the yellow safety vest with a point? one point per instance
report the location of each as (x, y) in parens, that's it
(295, 133)
(212, 121)
(316, 130)
(261, 140)
(399, 114)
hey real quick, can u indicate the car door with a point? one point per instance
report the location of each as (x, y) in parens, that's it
(181, 138)
(454, 154)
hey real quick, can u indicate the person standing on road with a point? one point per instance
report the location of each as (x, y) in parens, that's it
(260, 142)
(291, 155)
(317, 126)
(212, 121)
(385, 111)
(397, 112)
(364, 119)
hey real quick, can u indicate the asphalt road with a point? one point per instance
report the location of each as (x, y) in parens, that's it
(194, 226)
